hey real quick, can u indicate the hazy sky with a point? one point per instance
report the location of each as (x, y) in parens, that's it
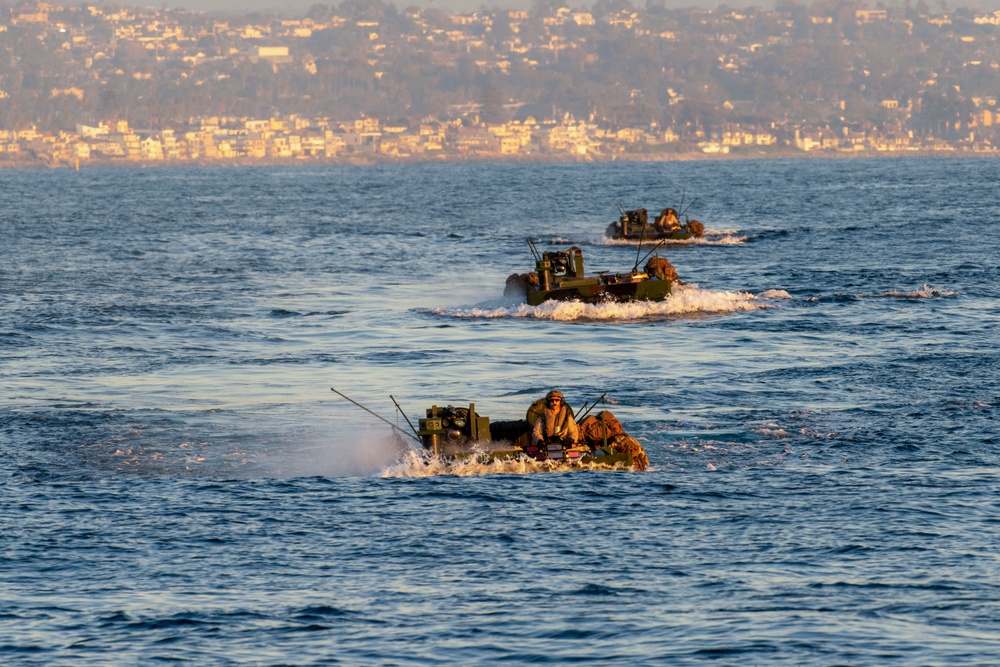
(297, 7)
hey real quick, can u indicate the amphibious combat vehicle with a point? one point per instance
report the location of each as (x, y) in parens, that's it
(460, 433)
(635, 226)
(559, 275)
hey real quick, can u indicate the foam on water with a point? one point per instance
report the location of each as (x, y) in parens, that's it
(687, 299)
(712, 237)
(771, 431)
(925, 292)
(416, 464)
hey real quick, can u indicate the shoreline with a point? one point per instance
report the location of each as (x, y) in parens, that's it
(381, 160)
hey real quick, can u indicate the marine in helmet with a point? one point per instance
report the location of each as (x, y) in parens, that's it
(667, 222)
(556, 421)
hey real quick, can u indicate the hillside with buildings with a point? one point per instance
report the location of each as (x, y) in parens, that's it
(366, 81)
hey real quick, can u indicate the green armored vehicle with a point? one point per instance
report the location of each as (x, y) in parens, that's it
(635, 226)
(560, 275)
(461, 433)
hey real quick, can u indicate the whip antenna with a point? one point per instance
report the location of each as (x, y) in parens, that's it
(374, 414)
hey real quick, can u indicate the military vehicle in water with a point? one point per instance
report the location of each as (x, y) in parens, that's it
(461, 434)
(559, 275)
(635, 226)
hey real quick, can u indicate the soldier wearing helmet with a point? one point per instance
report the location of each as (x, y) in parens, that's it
(556, 421)
(667, 222)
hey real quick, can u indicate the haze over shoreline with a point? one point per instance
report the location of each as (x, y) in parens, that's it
(301, 6)
(297, 7)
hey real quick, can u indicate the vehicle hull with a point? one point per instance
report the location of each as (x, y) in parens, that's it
(646, 289)
(652, 235)
(461, 434)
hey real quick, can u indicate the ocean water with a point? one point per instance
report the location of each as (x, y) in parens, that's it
(819, 403)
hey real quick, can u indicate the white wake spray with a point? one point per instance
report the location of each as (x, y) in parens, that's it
(685, 300)
(415, 464)
(712, 237)
(926, 292)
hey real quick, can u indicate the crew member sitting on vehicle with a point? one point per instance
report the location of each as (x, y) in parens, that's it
(667, 222)
(556, 421)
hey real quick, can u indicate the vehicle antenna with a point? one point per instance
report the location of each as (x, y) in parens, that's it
(689, 207)
(655, 247)
(642, 237)
(584, 414)
(626, 220)
(404, 416)
(372, 412)
(534, 252)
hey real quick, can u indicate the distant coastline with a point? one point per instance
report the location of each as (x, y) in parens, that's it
(367, 83)
(376, 160)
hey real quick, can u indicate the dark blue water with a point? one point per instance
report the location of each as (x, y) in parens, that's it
(819, 404)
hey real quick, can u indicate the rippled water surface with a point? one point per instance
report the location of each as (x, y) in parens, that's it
(819, 403)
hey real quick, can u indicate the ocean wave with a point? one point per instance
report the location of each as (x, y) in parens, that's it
(925, 292)
(771, 431)
(773, 446)
(686, 299)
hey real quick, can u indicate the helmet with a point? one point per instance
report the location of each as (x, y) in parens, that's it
(555, 393)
